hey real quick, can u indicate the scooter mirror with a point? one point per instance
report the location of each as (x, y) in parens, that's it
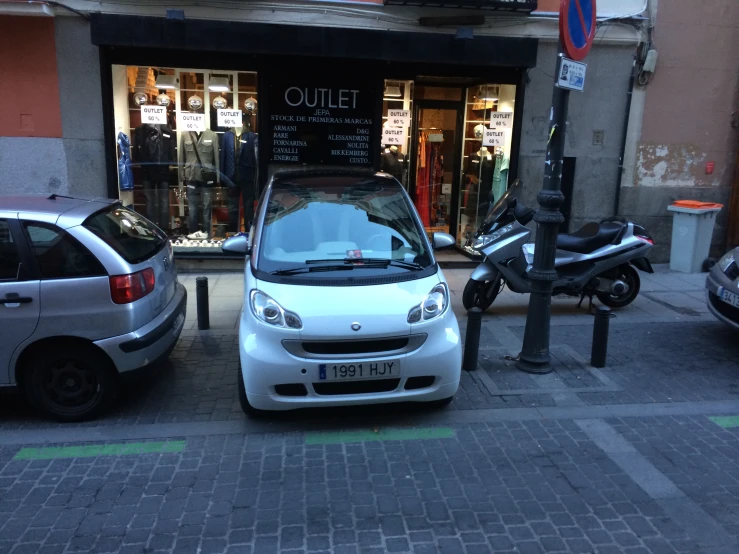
(443, 240)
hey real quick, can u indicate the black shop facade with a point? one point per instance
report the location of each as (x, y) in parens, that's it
(196, 127)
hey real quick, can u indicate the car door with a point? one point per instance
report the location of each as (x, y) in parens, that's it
(19, 293)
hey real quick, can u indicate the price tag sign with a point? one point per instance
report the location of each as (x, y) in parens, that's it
(396, 136)
(154, 115)
(501, 120)
(191, 122)
(229, 118)
(493, 137)
(399, 118)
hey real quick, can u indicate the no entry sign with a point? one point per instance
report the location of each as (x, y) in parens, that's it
(577, 27)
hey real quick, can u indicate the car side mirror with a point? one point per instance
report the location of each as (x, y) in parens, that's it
(238, 244)
(442, 241)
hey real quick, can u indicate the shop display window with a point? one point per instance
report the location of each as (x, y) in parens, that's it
(397, 114)
(187, 150)
(486, 151)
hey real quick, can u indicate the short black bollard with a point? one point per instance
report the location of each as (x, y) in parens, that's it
(600, 337)
(201, 297)
(472, 339)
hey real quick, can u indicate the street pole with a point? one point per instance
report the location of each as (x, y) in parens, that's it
(534, 357)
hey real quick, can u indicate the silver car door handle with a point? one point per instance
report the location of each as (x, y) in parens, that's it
(12, 300)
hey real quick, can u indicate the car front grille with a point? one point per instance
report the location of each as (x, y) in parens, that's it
(355, 346)
(356, 387)
(729, 312)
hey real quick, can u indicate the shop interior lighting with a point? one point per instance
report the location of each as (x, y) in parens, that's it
(219, 84)
(393, 91)
(488, 94)
(166, 82)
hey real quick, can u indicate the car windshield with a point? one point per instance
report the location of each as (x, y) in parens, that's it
(320, 224)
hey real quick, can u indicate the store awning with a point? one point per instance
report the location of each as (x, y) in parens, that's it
(327, 42)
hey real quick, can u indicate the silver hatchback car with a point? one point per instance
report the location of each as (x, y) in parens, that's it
(88, 291)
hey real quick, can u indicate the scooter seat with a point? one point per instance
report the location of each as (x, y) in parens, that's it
(590, 237)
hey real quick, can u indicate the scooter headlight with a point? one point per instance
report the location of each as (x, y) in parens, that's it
(485, 240)
(434, 304)
(269, 311)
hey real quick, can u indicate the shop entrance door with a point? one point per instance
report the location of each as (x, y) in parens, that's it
(436, 160)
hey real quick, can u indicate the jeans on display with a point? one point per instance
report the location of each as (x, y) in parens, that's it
(245, 191)
(199, 199)
(157, 203)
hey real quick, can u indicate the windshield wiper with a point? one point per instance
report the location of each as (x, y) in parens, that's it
(297, 270)
(369, 262)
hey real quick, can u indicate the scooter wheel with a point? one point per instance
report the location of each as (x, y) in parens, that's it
(630, 276)
(480, 294)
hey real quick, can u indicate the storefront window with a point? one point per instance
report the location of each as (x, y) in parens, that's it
(187, 150)
(397, 110)
(488, 129)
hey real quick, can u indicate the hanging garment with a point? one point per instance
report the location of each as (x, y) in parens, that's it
(499, 185)
(228, 154)
(125, 174)
(247, 167)
(422, 180)
(207, 150)
(392, 163)
(154, 149)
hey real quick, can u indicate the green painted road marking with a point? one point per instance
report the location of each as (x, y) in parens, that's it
(727, 422)
(94, 450)
(339, 437)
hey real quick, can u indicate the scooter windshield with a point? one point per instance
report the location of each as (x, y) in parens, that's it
(502, 205)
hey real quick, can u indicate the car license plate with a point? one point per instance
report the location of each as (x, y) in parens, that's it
(359, 370)
(178, 323)
(729, 297)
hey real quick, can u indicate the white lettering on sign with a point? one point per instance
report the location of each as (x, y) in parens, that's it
(321, 97)
(191, 122)
(571, 75)
(394, 136)
(493, 137)
(399, 118)
(229, 118)
(501, 120)
(154, 115)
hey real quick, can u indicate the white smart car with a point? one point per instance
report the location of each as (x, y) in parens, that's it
(344, 302)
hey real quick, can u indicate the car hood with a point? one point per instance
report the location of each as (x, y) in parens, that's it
(330, 312)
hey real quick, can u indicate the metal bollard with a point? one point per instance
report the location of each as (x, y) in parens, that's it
(600, 337)
(472, 339)
(201, 297)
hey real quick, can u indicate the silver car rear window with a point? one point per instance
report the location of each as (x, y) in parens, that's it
(131, 235)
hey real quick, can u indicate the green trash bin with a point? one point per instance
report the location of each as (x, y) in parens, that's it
(692, 229)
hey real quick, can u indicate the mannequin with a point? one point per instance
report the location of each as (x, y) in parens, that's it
(392, 162)
(199, 153)
(154, 149)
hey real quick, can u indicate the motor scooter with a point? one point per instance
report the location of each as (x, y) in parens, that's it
(600, 259)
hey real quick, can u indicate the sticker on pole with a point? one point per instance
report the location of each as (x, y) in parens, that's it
(577, 27)
(571, 75)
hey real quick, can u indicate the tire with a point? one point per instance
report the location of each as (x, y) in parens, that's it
(629, 276)
(442, 403)
(247, 408)
(70, 383)
(479, 294)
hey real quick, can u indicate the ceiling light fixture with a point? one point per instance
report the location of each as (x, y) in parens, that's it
(166, 82)
(219, 84)
(393, 91)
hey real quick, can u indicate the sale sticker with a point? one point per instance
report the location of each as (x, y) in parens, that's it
(187, 121)
(501, 120)
(229, 118)
(493, 137)
(394, 136)
(399, 118)
(154, 115)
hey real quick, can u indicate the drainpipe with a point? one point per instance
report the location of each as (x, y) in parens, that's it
(629, 97)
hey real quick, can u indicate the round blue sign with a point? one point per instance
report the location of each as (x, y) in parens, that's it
(577, 27)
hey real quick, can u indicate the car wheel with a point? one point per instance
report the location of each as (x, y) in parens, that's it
(629, 276)
(70, 383)
(247, 408)
(442, 403)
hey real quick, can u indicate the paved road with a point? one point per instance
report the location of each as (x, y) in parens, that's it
(639, 457)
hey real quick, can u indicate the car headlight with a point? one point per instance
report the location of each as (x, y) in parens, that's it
(434, 304)
(726, 260)
(481, 242)
(269, 311)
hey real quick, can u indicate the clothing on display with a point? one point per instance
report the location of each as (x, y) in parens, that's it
(198, 150)
(392, 162)
(154, 149)
(228, 154)
(429, 178)
(500, 176)
(245, 179)
(200, 202)
(157, 202)
(125, 173)
(479, 172)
